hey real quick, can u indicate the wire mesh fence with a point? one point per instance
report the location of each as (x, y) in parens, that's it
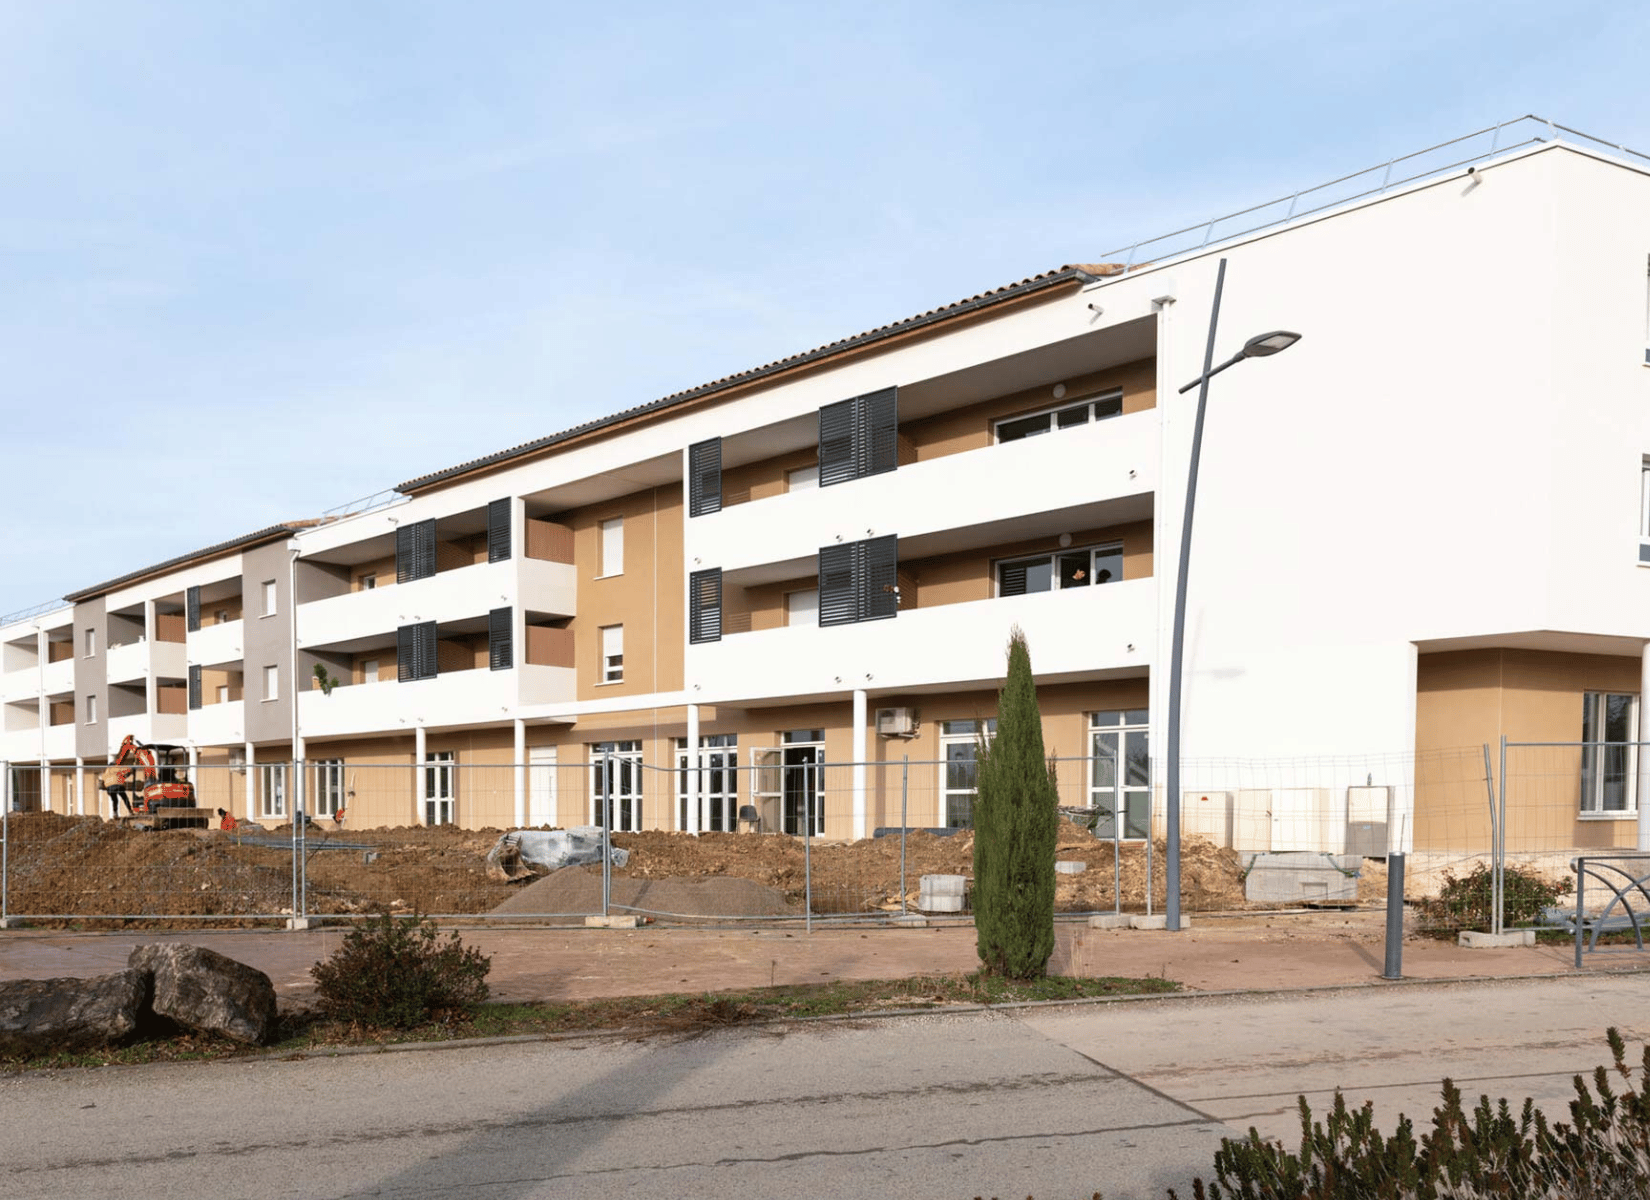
(784, 836)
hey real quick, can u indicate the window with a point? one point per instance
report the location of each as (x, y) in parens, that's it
(91, 710)
(415, 551)
(859, 581)
(1120, 779)
(272, 790)
(1609, 753)
(705, 477)
(612, 548)
(1644, 509)
(369, 671)
(272, 683)
(223, 693)
(1064, 416)
(328, 796)
(1060, 570)
(501, 639)
(269, 597)
(802, 608)
(369, 581)
(622, 793)
(802, 479)
(415, 652)
(91, 643)
(612, 653)
(859, 437)
(959, 747)
(439, 786)
(220, 616)
(1647, 312)
(802, 783)
(718, 783)
(705, 605)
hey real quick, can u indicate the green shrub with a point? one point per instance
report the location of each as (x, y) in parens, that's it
(394, 973)
(1016, 828)
(1465, 903)
(1603, 1155)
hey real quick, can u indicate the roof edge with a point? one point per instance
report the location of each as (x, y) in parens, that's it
(260, 537)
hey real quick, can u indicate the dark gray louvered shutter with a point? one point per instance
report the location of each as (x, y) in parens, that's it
(705, 477)
(192, 610)
(705, 606)
(1011, 579)
(878, 577)
(415, 551)
(836, 443)
(878, 428)
(500, 643)
(415, 652)
(195, 686)
(404, 643)
(838, 604)
(498, 530)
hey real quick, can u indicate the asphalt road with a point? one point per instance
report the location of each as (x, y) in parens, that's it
(1128, 1099)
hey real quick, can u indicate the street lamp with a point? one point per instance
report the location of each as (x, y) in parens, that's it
(1261, 346)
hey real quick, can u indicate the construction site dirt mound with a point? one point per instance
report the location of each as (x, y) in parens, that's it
(65, 866)
(579, 890)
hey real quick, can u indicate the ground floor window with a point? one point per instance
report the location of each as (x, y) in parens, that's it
(440, 787)
(718, 783)
(625, 785)
(1609, 754)
(272, 790)
(1120, 779)
(802, 781)
(959, 770)
(329, 787)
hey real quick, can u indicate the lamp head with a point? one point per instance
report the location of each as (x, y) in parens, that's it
(1269, 343)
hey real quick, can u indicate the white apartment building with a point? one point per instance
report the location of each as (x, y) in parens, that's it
(1425, 526)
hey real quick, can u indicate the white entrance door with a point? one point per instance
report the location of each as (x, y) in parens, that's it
(541, 785)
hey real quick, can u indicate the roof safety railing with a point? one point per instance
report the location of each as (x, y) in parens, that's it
(38, 610)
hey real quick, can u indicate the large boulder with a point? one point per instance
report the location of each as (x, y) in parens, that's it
(44, 1016)
(205, 991)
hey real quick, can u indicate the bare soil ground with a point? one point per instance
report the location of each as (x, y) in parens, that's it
(62, 866)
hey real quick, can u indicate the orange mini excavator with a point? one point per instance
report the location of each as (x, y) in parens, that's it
(153, 780)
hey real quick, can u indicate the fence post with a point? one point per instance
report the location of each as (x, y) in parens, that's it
(904, 826)
(808, 847)
(1499, 852)
(300, 793)
(1117, 857)
(607, 830)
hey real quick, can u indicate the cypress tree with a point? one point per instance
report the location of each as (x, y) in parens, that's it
(1016, 827)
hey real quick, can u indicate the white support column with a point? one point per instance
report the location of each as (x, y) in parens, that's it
(693, 778)
(45, 785)
(420, 775)
(521, 767)
(79, 787)
(250, 753)
(1643, 791)
(151, 700)
(861, 753)
(42, 706)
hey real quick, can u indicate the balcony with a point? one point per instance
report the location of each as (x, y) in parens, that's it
(58, 677)
(137, 660)
(23, 684)
(148, 727)
(60, 741)
(215, 644)
(221, 724)
(1073, 634)
(477, 697)
(1083, 468)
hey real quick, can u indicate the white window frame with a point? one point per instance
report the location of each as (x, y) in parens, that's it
(91, 643)
(270, 598)
(612, 654)
(959, 789)
(369, 581)
(1644, 511)
(806, 773)
(1088, 405)
(627, 791)
(271, 790)
(272, 682)
(802, 479)
(91, 710)
(370, 668)
(1123, 795)
(1052, 558)
(223, 693)
(611, 547)
(440, 787)
(328, 796)
(718, 764)
(1602, 757)
(809, 614)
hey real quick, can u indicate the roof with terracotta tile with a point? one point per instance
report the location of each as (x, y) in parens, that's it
(244, 542)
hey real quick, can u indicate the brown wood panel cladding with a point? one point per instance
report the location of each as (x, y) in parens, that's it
(549, 542)
(549, 647)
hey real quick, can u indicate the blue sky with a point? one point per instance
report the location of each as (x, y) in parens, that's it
(259, 259)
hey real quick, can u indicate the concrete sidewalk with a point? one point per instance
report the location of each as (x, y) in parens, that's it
(1266, 952)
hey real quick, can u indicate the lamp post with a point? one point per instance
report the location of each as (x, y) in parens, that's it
(1262, 346)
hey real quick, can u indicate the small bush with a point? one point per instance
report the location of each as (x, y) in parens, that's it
(1465, 903)
(394, 973)
(1604, 1155)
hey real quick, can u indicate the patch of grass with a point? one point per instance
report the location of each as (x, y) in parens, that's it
(675, 1013)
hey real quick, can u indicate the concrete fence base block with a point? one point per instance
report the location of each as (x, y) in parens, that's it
(1070, 868)
(1110, 921)
(11, 923)
(1158, 921)
(298, 924)
(628, 921)
(1472, 939)
(910, 921)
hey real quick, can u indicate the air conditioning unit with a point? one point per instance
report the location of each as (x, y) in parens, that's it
(897, 722)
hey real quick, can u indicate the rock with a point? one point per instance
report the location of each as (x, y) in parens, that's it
(42, 1016)
(206, 991)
